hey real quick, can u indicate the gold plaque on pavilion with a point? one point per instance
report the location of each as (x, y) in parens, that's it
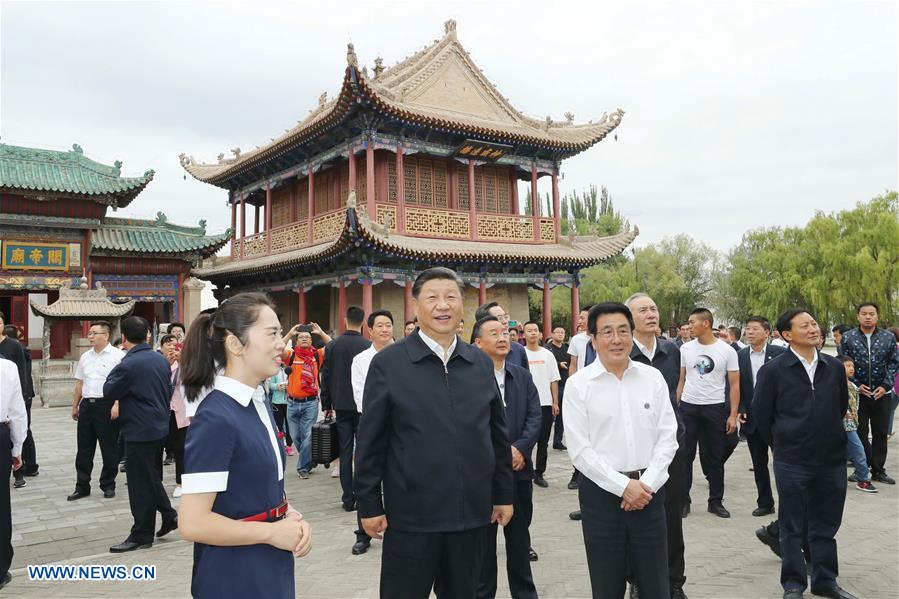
(482, 150)
(28, 255)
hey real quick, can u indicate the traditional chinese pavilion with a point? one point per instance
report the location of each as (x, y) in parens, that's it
(407, 167)
(54, 229)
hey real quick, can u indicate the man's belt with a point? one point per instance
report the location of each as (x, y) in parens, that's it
(92, 399)
(634, 474)
(302, 399)
(272, 515)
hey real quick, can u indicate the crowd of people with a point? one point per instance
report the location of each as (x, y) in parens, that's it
(437, 436)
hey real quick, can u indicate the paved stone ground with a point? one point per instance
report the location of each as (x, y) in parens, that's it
(724, 559)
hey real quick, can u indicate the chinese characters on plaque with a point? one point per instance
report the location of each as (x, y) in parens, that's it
(29, 255)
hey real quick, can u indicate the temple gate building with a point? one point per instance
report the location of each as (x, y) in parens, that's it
(54, 230)
(409, 167)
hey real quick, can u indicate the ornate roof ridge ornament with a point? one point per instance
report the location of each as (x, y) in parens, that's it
(351, 59)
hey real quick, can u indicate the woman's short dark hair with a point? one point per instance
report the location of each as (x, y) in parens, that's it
(204, 346)
(433, 274)
(167, 339)
(608, 308)
(375, 314)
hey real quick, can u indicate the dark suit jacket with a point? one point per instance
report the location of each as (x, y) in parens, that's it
(667, 361)
(802, 422)
(435, 437)
(336, 384)
(518, 356)
(746, 385)
(142, 385)
(523, 415)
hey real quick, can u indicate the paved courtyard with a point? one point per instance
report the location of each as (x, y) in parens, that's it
(724, 559)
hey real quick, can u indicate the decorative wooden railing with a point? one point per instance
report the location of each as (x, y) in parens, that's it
(419, 222)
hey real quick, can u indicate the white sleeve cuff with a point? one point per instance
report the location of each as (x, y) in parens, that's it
(204, 482)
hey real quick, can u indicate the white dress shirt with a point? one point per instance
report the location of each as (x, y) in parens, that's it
(12, 405)
(359, 372)
(756, 361)
(645, 351)
(444, 355)
(614, 426)
(93, 368)
(810, 367)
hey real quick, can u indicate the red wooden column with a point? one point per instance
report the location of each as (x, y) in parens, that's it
(243, 216)
(268, 219)
(535, 203)
(341, 307)
(472, 203)
(233, 226)
(407, 302)
(310, 205)
(301, 305)
(400, 192)
(547, 309)
(513, 182)
(575, 304)
(367, 303)
(256, 223)
(557, 214)
(352, 163)
(482, 292)
(370, 182)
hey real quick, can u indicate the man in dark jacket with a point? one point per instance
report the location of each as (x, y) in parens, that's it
(751, 358)
(337, 395)
(876, 360)
(799, 403)
(664, 356)
(141, 383)
(433, 432)
(517, 355)
(10, 333)
(523, 420)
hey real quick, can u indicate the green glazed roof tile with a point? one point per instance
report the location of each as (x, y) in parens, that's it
(132, 235)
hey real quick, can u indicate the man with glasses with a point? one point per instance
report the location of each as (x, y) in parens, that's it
(517, 355)
(96, 416)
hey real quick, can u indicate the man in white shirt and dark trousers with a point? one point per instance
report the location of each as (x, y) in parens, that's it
(707, 363)
(621, 433)
(545, 371)
(13, 429)
(96, 416)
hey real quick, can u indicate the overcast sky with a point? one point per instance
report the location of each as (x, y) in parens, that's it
(738, 114)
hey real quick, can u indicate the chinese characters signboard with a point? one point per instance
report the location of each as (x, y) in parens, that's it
(27, 255)
(482, 150)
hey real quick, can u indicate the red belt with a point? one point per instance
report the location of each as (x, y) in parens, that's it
(271, 515)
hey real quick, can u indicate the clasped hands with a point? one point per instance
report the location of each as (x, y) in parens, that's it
(290, 537)
(636, 496)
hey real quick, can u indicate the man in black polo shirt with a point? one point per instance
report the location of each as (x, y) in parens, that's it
(141, 383)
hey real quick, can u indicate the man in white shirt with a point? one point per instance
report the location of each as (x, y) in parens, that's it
(577, 347)
(96, 416)
(545, 371)
(622, 435)
(13, 429)
(708, 364)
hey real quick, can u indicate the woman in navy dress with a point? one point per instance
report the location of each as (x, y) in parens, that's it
(233, 505)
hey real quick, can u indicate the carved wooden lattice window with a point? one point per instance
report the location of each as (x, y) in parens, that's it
(323, 187)
(344, 184)
(361, 189)
(391, 182)
(410, 181)
(440, 199)
(462, 187)
(503, 192)
(479, 189)
(303, 199)
(425, 182)
(488, 175)
(281, 207)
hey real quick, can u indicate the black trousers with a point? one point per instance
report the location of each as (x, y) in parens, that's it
(414, 562)
(146, 495)
(518, 544)
(810, 506)
(546, 423)
(758, 451)
(178, 448)
(615, 539)
(96, 426)
(347, 426)
(559, 428)
(29, 454)
(705, 426)
(874, 417)
(280, 412)
(170, 440)
(6, 551)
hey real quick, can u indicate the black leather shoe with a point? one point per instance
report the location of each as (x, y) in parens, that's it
(685, 510)
(575, 515)
(573, 483)
(349, 507)
(19, 483)
(719, 510)
(541, 482)
(677, 590)
(6, 580)
(31, 473)
(167, 527)
(532, 555)
(884, 478)
(762, 511)
(109, 494)
(77, 495)
(560, 446)
(793, 594)
(126, 546)
(834, 593)
(360, 547)
(765, 537)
